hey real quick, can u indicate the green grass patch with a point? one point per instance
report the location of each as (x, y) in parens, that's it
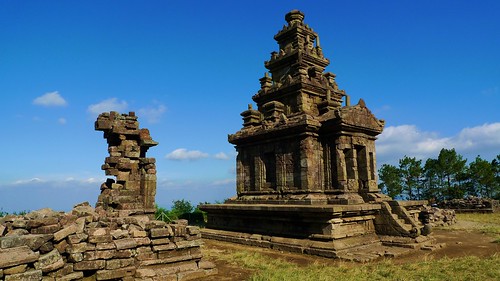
(485, 223)
(491, 218)
(274, 269)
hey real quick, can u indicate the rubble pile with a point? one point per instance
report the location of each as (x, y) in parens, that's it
(78, 244)
(438, 217)
(119, 238)
(471, 204)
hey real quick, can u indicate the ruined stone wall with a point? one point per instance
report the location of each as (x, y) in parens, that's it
(438, 217)
(133, 190)
(119, 239)
(82, 245)
(471, 204)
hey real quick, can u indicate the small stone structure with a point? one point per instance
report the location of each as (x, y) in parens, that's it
(306, 165)
(117, 240)
(438, 217)
(471, 204)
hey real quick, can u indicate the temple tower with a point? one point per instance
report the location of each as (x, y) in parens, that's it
(306, 166)
(301, 139)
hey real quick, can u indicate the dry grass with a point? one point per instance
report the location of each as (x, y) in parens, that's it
(485, 223)
(269, 268)
(274, 269)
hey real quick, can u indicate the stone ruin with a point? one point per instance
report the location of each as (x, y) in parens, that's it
(306, 166)
(471, 204)
(435, 216)
(119, 238)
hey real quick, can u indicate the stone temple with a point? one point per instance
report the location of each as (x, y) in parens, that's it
(306, 165)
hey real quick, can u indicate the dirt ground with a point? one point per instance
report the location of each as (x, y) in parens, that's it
(459, 243)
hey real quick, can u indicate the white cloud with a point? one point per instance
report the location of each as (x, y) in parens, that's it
(112, 104)
(397, 141)
(62, 121)
(184, 154)
(50, 99)
(221, 156)
(152, 114)
(26, 181)
(224, 182)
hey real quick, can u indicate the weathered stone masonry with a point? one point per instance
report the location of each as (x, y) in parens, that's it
(117, 240)
(306, 166)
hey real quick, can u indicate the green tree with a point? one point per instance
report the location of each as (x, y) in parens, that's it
(411, 171)
(390, 180)
(450, 168)
(181, 207)
(482, 177)
(495, 164)
(432, 180)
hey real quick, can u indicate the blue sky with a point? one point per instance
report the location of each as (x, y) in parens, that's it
(431, 69)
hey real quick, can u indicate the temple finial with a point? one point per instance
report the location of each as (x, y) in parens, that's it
(294, 17)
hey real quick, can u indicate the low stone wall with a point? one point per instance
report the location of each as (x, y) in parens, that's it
(471, 204)
(438, 217)
(85, 245)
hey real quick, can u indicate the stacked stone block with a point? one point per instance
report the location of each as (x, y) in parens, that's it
(471, 204)
(81, 245)
(117, 240)
(133, 192)
(438, 217)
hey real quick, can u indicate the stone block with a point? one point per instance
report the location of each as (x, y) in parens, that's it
(65, 232)
(125, 243)
(138, 233)
(34, 241)
(97, 231)
(160, 241)
(71, 276)
(115, 273)
(99, 255)
(119, 263)
(188, 244)
(107, 238)
(145, 272)
(127, 253)
(77, 238)
(61, 246)
(160, 232)
(191, 275)
(46, 229)
(154, 224)
(46, 247)
(16, 232)
(32, 275)
(16, 256)
(164, 247)
(67, 269)
(89, 265)
(34, 223)
(192, 230)
(50, 261)
(142, 241)
(105, 246)
(119, 233)
(19, 223)
(75, 257)
(179, 229)
(77, 248)
(15, 269)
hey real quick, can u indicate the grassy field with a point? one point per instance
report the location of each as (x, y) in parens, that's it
(485, 223)
(467, 268)
(271, 268)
